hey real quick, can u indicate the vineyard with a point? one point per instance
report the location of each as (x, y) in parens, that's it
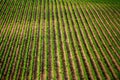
(59, 39)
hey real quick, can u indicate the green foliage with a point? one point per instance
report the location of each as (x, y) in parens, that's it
(59, 39)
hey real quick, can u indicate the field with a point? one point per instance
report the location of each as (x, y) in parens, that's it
(59, 39)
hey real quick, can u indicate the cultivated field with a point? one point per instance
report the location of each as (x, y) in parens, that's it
(59, 40)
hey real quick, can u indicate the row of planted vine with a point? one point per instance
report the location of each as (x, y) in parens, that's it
(59, 39)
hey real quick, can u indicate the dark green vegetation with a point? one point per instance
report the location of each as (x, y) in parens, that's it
(97, 1)
(59, 39)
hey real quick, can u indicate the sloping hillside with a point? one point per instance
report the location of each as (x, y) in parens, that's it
(59, 40)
